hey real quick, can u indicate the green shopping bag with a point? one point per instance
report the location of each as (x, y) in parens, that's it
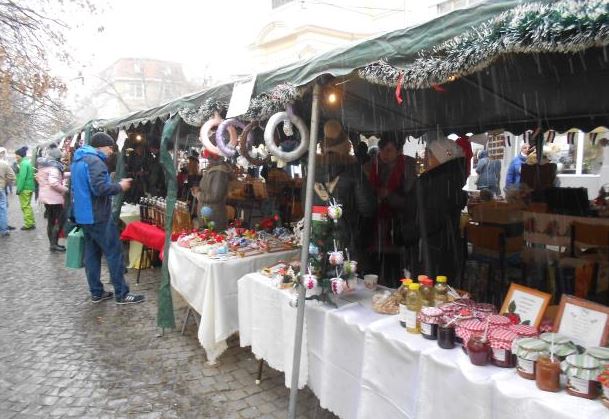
(75, 248)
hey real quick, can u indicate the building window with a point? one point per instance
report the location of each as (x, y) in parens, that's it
(137, 89)
(279, 3)
(137, 68)
(450, 5)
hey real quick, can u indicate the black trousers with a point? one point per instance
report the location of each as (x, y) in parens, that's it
(54, 221)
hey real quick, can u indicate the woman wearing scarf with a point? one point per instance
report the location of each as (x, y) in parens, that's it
(51, 188)
(392, 175)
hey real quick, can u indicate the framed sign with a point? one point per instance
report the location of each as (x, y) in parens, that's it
(584, 322)
(528, 303)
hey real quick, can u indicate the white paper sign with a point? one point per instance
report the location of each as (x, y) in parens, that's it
(240, 99)
(584, 326)
(527, 306)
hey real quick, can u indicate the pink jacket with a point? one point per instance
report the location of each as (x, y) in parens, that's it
(51, 189)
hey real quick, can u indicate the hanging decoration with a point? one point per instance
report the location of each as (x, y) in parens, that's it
(207, 110)
(269, 136)
(564, 26)
(205, 133)
(276, 100)
(247, 141)
(230, 125)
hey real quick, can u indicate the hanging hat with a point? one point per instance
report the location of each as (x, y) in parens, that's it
(21, 151)
(101, 139)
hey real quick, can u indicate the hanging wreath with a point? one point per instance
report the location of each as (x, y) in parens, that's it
(269, 135)
(204, 135)
(247, 141)
(230, 149)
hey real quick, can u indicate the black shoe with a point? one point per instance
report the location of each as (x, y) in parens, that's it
(11, 228)
(28, 228)
(131, 299)
(57, 248)
(106, 295)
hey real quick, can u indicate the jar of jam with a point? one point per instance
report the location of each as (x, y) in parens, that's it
(547, 373)
(498, 321)
(527, 350)
(563, 347)
(446, 335)
(467, 329)
(429, 318)
(500, 341)
(478, 350)
(581, 372)
(600, 354)
(484, 310)
(524, 330)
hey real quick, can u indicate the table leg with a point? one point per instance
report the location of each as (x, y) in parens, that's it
(259, 376)
(139, 270)
(186, 320)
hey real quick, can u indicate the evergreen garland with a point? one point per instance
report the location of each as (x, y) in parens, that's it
(565, 26)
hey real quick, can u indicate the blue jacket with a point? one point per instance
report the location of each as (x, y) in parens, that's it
(92, 188)
(512, 180)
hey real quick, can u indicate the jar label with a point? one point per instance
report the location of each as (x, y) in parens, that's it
(500, 354)
(526, 366)
(402, 315)
(579, 385)
(411, 319)
(426, 329)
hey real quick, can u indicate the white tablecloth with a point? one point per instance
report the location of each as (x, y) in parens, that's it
(362, 365)
(210, 287)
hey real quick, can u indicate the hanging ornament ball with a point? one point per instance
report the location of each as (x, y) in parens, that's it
(350, 267)
(313, 250)
(309, 281)
(336, 258)
(206, 211)
(337, 285)
(335, 212)
(211, 225)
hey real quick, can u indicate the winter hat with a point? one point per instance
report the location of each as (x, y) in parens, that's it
(21, 151)
(54, 153)
(101, 139)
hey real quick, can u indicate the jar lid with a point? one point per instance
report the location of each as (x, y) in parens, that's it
(600, 353)
(431, 311)
(529, 348)
(501, 338)
(431, 315)
(498, 320)
(558, 338)
(473, 325)
(581, 366)
(524, 330)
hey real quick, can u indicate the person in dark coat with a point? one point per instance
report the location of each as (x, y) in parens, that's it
(213, 190)
(489, 173)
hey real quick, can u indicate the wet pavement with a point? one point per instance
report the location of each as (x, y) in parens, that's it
(63, 356)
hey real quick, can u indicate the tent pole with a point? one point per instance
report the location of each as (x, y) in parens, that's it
(304, 253)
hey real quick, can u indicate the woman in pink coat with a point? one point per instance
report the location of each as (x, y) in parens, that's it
(51, 191)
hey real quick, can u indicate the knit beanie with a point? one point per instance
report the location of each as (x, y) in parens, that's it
(54, 153)
(101, 139)
(21, 151)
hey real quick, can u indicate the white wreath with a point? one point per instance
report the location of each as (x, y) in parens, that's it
(228, 150)
(204, 135)
(269, 136)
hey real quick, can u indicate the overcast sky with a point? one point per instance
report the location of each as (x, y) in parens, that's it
(192, 32)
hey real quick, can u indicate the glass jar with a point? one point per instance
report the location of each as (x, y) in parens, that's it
(427, 291)
(563, 347)
(440, 290)
(467, 329)
(429, 318)
(496, 321)
(500, 341)
(446, 336)
(527, 351)
(402, 292)
(413, 307)
(581, 372)
(600, 354)
(547, 374)
(478, 350)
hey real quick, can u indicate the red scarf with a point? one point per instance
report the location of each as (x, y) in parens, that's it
(395, 177)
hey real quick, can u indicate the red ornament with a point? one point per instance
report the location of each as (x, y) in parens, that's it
(514, 318)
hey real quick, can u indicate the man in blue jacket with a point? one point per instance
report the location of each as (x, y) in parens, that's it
(92, 192)
(512, 179)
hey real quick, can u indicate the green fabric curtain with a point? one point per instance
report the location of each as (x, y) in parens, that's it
(165, 317)
(117, 202)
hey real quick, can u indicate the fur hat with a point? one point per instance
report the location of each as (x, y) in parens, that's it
(101, 139)
(21, 151)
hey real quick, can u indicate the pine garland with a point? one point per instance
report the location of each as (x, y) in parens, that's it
(261, 107)
(565, 26)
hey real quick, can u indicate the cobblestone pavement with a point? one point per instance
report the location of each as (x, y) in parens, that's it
(62, 356)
